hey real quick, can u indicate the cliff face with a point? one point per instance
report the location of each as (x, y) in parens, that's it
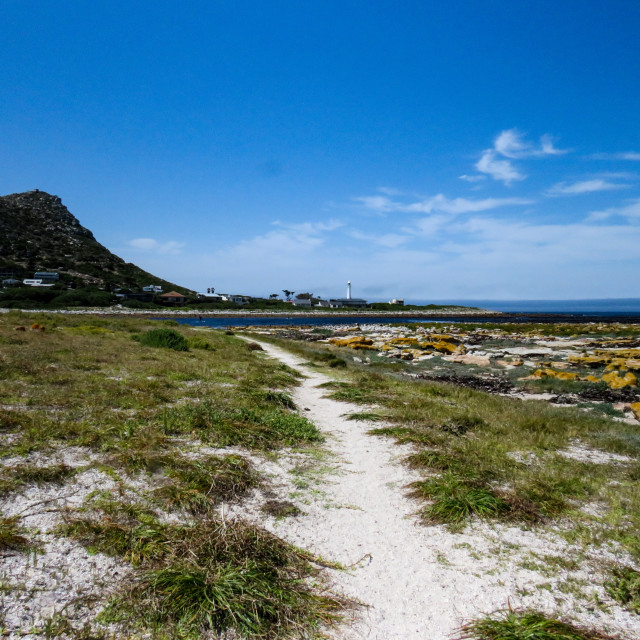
(38, 233)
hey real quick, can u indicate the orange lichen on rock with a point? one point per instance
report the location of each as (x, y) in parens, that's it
(356, 342)
(445, 347)
(37, 327)
(590, 361)
(616, 381)
(635, 407)
(552, 373)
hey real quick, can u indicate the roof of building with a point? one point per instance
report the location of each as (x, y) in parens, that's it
(172, 294)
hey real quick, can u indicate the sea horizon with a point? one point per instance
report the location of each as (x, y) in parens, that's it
(588, 305)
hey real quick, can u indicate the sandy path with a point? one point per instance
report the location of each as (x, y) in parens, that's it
(416, 581)
(400, 579)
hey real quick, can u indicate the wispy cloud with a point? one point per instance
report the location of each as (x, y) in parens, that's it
(390, 240)
(476, 178)
(153, 246)
(499, 169)
(622, 155)
(509, 145)
(441, 203)
(584, 186)
(630, 211)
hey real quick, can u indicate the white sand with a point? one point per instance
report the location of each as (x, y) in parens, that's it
(417, 581)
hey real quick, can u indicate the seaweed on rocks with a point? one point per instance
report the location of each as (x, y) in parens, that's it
(489, 383)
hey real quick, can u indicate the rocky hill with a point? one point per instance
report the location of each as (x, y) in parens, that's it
(38, 233)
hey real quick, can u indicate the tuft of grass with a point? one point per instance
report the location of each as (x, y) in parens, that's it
(163, 338)
(196, 342)
(456, 500)
(280, 509)
(254, 428)
(213, 576)
(11, 535)
(524, 625)
(365, 416)
(279, 399)
(624, 586)
(203, 483)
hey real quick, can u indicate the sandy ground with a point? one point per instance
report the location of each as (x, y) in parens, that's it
(416, 581)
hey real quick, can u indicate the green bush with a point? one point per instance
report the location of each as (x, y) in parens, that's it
(164, 338)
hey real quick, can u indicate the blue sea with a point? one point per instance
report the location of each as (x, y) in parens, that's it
(528, 310)
(598, 306)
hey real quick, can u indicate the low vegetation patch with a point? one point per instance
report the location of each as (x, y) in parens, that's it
(624, 586)
(11, 535)
(524, 625)
(493, 457)
(147, 413)
(164, 338)
(206, 577)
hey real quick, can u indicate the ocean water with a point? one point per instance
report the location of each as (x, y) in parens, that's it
(598, 306)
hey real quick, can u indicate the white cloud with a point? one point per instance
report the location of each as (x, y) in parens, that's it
(584, 186)
(152, 245)
(623, 155)
(511, 144)
(440, 202)
(390, 240)
(501, 170)
(382, 204)
(462, 205)
(630, 211)
(390, 191)
(468, 178)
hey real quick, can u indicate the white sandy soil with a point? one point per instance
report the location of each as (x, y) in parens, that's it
(417, 581)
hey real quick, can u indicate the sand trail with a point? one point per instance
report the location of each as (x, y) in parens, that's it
(416, 581)
(397, 573)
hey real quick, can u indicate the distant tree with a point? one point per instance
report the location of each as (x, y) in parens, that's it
(273, 296)
(304, 296)
(288, 293)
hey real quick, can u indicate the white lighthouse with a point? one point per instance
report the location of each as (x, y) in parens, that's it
(349, 290)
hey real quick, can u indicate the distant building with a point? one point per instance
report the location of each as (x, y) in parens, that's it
(354, 303)
(11, 273)
(397, 301)
(173, 297)
(304, 302)
(47, 277)
(233, 298)
(11, 282)
(349, 302)
(152, 288)
(210, 297)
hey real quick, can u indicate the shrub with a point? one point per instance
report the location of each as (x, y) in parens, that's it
(164, 338)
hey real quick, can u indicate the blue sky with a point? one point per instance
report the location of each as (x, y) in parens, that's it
(425, 150)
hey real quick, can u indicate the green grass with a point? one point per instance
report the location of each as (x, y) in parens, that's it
(624, 586)
(206, 577)
(255, 428)
(146, 413)
(14, 478)
(11, 537)
(500, 451)
(365, 416)
(524, 625)
(455, 500)
(165, 339)
(201, 484)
